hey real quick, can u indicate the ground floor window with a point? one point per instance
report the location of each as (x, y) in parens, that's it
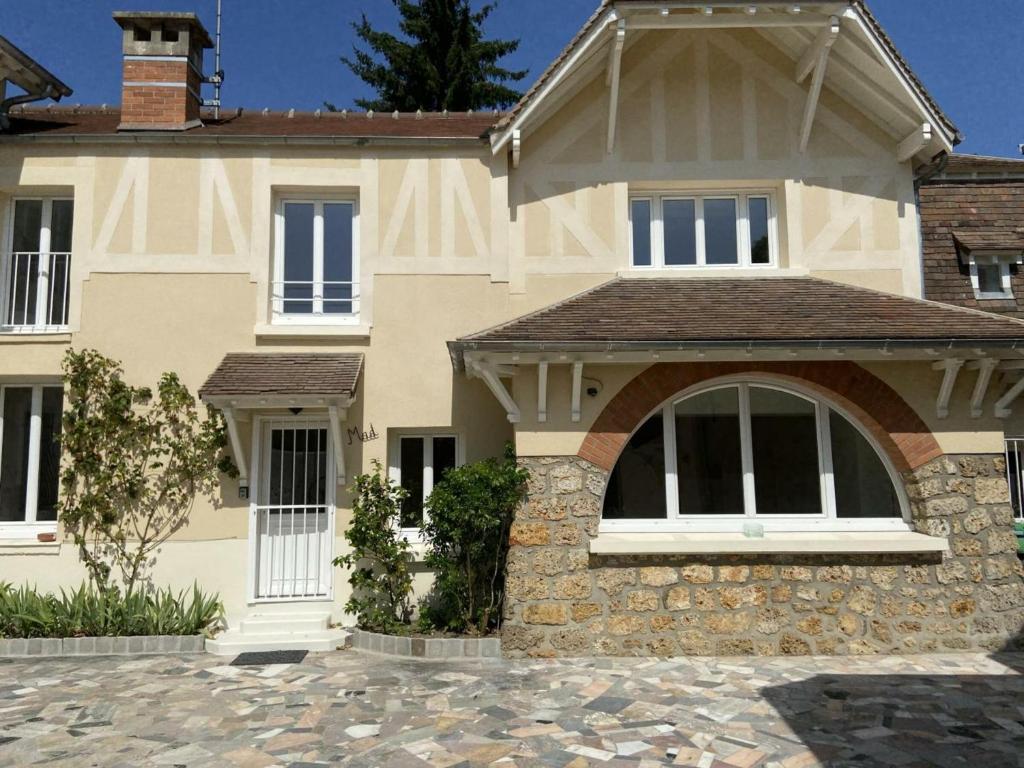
(419, 462)
(1015, 473)
(30, 417)
(749, 452)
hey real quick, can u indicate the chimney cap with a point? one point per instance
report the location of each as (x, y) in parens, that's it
(151, 19)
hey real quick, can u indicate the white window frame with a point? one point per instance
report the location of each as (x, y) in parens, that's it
(42, 275)
(657, 234)
(30, 526)
(677, 520)
(1003, 263)
(1014, 446)
(277, 314)
(395, 465)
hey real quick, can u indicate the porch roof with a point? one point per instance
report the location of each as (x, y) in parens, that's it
(284, 374)
(680, 313)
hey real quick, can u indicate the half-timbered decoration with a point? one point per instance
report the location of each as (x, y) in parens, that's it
(683, 276)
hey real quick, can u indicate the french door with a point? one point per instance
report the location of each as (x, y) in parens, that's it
(293, 514)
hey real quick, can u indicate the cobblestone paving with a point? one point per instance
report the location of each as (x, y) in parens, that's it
(346, 708)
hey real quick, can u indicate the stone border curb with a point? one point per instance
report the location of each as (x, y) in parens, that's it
(427, 647)
(102, 646)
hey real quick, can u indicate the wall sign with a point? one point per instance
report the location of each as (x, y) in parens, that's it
(355, 433)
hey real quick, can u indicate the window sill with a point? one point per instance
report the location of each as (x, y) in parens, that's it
(847, 542)
(284, 331)
(28, 547)
(8, 336)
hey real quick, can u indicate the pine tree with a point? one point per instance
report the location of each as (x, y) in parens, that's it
(445, 64)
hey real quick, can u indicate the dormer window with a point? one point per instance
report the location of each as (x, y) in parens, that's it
(988, 256)
(670, 230)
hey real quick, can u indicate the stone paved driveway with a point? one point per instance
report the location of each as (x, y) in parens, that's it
(350, 709)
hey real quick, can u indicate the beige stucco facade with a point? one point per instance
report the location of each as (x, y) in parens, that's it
(174, 244)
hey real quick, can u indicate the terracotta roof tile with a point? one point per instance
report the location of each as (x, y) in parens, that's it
(740, 310)
(96, 121)
(287, 373)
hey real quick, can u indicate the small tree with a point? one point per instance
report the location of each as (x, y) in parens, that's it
(132, 466)
(467, 532)
(446, 63)
(381, 579)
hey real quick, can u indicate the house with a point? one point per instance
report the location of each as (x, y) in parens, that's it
(682, 275)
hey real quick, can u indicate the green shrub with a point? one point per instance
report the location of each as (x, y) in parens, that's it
(466, 531)
(380, 560)
(89, 612)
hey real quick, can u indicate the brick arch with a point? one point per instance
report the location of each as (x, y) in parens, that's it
(897, 428)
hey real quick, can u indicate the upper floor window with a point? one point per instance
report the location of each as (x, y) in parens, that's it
(990, 277)
(30, 420)
(35, 268)
(675, 229)
(316, 262)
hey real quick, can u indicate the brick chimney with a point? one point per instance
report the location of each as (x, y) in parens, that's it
(163, 66)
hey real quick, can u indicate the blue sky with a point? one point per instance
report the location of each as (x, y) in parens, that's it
(284, 53)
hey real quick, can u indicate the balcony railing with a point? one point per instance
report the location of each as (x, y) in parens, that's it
(34, 290)
(325, 301)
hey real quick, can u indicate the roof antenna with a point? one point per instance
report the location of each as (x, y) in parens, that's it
(217, 78)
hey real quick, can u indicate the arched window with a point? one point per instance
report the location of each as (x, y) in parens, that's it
(751, 452)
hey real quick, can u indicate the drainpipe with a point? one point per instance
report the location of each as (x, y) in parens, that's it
(929, 172)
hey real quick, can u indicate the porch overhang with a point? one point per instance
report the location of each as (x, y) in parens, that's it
(248, 382)
(646, 321)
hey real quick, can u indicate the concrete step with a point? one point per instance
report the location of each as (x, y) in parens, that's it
(233, 642)
(282, 624)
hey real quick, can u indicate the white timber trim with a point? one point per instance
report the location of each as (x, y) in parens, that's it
(985, 369)
(542, 391)
(594, 38)
(517, 147)
(950, 367)
(491, 374)
(1002, 409)
(241, 462)
(820, 64)
(809, 60)
(577, 386)
(914, 143)
(614, 75)
(336, 417)
(723, 21)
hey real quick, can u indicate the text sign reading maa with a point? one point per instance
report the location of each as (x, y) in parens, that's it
(355, 433)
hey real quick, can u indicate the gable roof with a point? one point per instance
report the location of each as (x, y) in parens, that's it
(674, 313)
(607, 12)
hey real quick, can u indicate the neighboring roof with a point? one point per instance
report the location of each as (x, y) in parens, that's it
(243, 124)
(672, 312)
(19, 68)
(887, 43)
(982, 167)
(285, 373)
(979, 213)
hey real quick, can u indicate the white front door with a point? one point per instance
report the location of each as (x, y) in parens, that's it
(293, 513)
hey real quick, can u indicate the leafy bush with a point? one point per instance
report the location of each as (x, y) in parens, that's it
(381, 579)
(89, 612)
(132, 465)
(467, 530)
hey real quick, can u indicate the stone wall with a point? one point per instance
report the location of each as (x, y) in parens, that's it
(564, 602)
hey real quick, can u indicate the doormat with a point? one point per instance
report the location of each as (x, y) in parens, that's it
(255, 658)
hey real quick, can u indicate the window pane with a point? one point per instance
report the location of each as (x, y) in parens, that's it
(863, 486)
(57, 311)
(49, 453)
(720, 231)
(990, 279)
(14, 461)
(22, 289)
(338, 258)
(411, 449)
(680, 231)
(640, 216)
(28, 220)
(298, 258)
(708, 456)
(444, 457)
(60, 226)
(757, 210)
(784, 435)
(636, 488)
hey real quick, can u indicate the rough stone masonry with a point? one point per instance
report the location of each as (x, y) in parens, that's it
(562, 601)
